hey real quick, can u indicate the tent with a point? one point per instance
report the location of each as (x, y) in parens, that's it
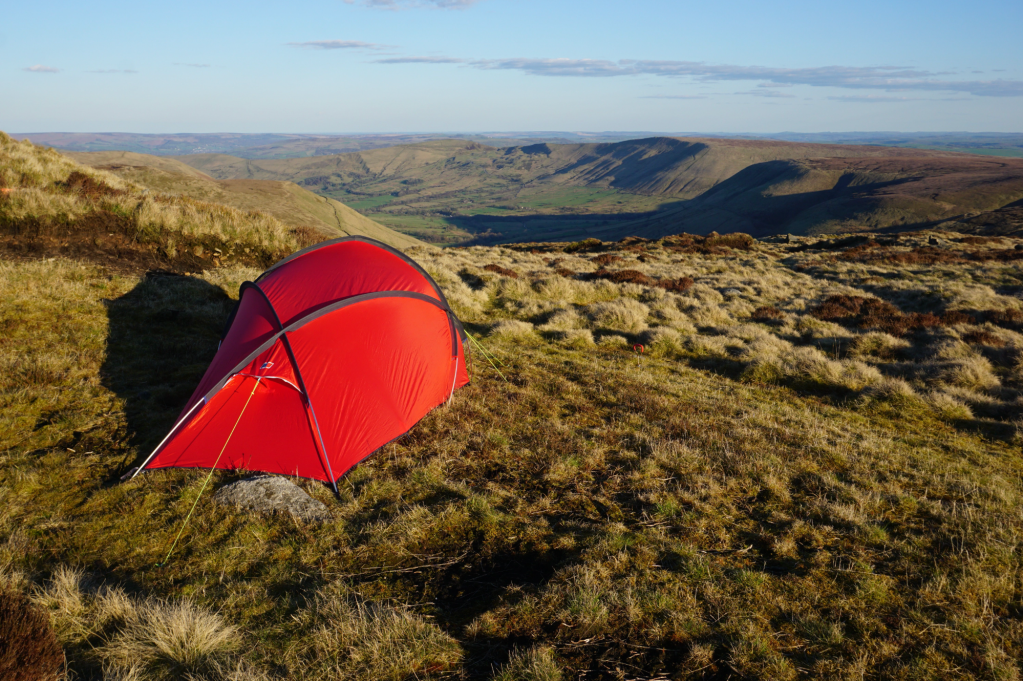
(330, 354)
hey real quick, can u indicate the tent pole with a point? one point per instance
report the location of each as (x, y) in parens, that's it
(164, 440)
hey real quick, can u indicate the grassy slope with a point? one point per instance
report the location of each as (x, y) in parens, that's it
(780, 499)
(651, 187)
(51, 205)
(286, 201)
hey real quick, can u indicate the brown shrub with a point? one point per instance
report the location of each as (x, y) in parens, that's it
(955, 317)
(623, 276)
(606, 259)
(554, 262)
(926, 255)
(712, 244)
(87, 186)
(767, 313)
(680, 285)
(1011, 319)
(28, 648)
(923, 255)
(872, 313)
(1005, 255)
(497, 269)
(982, 337)
(565, 272)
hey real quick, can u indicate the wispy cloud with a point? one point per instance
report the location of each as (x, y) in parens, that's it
(420, 60)
(412, 4)
(194, 66)
(39, 68)
(341, 45)
(771, 94)
(870, 99)
(113, 71)
(890, 78)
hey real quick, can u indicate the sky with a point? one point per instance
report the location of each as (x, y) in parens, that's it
(350, 66)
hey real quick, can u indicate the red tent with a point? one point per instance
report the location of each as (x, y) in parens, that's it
(332, 353)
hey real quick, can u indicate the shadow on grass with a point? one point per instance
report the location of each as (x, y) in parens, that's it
(162, 336)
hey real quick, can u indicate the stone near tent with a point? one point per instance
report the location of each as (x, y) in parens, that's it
(272, 494)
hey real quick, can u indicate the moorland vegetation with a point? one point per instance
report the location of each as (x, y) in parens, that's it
(811, 470)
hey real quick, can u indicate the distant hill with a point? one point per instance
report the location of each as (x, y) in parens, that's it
(649, 187)
(832, 195)
(272, 145)
(285, 145)
(286, 201)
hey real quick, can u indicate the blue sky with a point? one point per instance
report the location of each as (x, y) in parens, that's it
(511, 65)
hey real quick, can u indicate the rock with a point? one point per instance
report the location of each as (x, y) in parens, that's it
(272, 494)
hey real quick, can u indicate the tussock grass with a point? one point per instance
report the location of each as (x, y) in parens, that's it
(351, 639)
(534, 664)
(132, 639)
(56, 206)
(757, 495)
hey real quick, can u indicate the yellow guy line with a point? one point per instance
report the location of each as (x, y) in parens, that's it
(222, 449)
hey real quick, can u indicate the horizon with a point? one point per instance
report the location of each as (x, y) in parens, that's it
(498, 133)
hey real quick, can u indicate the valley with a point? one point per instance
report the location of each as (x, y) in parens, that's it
(455, 192)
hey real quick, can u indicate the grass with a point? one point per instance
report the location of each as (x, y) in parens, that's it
(759, 494)
(56, 206)
(431, 229)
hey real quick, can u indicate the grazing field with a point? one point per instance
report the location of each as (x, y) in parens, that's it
(811, 471)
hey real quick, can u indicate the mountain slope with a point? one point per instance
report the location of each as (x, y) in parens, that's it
(679, 168)
(286, 201)
(842, 195)
(649, 187)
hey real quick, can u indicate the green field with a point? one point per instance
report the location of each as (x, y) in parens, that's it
(367, 205)
(429, 228)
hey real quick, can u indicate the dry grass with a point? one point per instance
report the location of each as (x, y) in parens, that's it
(56, 206)
(759, 495)
(150, 639)
(534, 664)
(351, 639)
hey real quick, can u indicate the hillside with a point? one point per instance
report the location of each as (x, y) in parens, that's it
(53, 206)
(452, 191)
(811, 471)
(289, 203)
(832, 195)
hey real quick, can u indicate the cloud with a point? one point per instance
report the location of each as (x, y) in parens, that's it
(420, 60)
(39, 68)
(341, 45)
(194, 66)
(890, 78)
(874, 98)
(774, 94)
(412, 4)
(114, 71)
(674, 97)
